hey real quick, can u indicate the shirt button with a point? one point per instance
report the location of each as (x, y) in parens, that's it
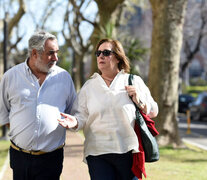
(35, 131)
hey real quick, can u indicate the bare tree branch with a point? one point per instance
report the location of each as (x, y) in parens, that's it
(14, 21)
(190, 54)
(49, 11)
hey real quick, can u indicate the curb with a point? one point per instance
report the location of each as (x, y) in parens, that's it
(195, 144)
(194, 139)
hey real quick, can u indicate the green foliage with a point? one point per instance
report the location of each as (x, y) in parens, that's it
(106, 31)
(198, 82)
(134, 49)
(135, 52)
(64, 58)
(132, 46)
(194, 90)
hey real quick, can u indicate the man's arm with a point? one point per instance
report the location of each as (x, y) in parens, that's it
(4, 102)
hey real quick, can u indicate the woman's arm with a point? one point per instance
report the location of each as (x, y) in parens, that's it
(68, 121)
(141, 95)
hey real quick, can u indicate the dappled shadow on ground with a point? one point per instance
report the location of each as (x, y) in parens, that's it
(188, 154)
(73, 150)
(195, 160)
(184, 159)
(73, 167)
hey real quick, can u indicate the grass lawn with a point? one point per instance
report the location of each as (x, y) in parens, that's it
(4, 146)
(178, 164)
(188, 163)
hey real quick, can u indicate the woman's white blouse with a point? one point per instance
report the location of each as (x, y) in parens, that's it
(106, 114)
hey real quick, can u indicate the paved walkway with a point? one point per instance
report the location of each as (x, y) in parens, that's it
(73, 167)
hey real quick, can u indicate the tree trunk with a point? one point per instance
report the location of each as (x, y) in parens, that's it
(15, 20)
(78, 71)
(11, 24)
(168, 19)
(108, 13)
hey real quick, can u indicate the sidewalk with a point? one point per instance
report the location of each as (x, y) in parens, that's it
(73, 166)
(75, 169)
(194, 139)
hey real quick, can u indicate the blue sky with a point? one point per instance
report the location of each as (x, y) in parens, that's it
(35, 10)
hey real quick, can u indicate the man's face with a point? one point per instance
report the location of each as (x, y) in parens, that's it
(48, 58)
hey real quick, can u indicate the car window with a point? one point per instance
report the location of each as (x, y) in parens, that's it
(205, 99)
(198, 99)
(183, 99)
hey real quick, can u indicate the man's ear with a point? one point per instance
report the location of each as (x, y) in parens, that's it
(34, 53)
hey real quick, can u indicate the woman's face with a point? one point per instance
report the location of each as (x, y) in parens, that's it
(106, 63)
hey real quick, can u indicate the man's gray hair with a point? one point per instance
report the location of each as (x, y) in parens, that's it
(37, 41)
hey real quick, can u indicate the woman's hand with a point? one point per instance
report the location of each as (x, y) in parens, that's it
(68, 121)
(131, 90)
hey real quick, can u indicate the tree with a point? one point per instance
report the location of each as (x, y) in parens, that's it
(193, 34)
(73, 36)
(11, 24)
(168, 20)
(108, 13)
(74, 17)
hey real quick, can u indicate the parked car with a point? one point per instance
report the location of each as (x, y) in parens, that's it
(198, 108)
(183, 102)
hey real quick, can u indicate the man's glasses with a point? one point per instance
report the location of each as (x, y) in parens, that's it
(105, 52)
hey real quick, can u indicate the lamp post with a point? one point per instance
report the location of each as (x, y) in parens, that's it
(5, 43)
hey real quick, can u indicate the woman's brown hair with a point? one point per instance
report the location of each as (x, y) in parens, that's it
(118, 50)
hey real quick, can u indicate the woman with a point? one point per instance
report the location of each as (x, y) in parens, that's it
(106, 114)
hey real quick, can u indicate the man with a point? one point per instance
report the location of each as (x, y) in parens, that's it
(32, 95)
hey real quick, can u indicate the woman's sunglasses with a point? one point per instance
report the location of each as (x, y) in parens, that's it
(105, 52)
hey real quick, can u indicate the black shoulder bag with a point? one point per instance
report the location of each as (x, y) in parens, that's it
(149, 142)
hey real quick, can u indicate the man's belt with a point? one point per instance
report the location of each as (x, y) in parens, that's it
(14, 146)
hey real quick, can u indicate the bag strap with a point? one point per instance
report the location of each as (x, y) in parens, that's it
(140, 114)
(130, 79)
(137, 112)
